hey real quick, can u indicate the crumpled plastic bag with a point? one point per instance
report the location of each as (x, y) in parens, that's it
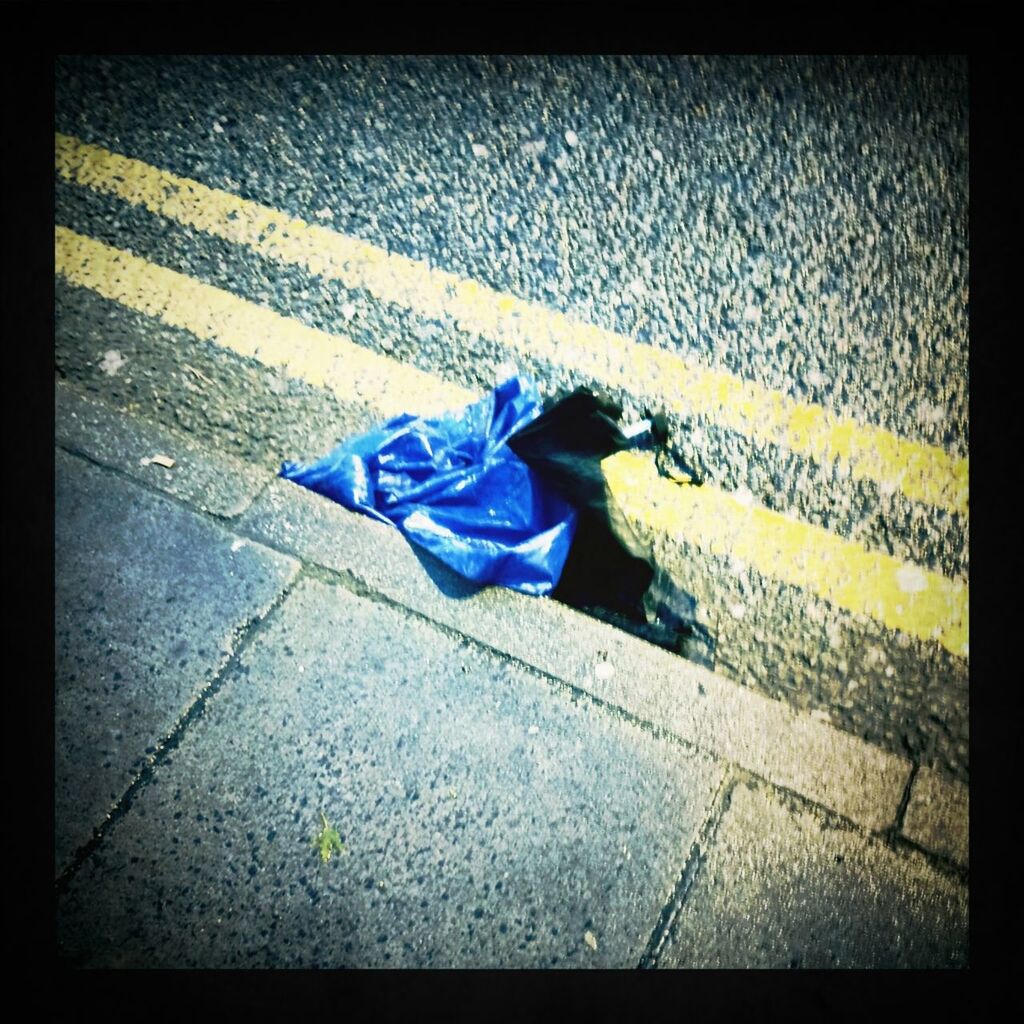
(454, 488)
(609, 566)
(565, 446)
(610, 572)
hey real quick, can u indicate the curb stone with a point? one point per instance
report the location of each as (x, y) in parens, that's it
(793, 750)
(208, 481)
(937, 817)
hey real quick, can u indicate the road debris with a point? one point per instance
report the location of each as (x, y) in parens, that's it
(327, 840)
(590, 940)
(111, 362)
(196, 373)
(511, 493)
(436, 480)
(157, 460)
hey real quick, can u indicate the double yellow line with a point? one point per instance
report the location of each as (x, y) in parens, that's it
(900, 596)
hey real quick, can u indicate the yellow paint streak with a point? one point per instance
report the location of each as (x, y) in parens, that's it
(922, 472)
(900, 596)
(324, 360)
(776, 545)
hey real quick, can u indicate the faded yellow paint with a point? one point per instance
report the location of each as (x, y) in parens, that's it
(922, 472)
(901, 596)
(322, 359)
(776, 545)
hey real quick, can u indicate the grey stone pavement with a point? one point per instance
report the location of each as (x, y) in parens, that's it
(515, 784)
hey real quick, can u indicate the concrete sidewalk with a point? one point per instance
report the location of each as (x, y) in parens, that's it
(516, 785)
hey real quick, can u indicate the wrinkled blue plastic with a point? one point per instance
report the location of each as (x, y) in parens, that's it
(454, 487)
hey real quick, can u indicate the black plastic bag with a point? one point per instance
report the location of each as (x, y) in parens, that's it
(609, 568)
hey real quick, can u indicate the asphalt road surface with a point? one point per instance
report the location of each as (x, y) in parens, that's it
(797, 224)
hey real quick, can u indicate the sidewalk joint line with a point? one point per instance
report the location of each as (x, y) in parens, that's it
(225, 521)
(946, 866)
(243, 636)
(356, 585)
(694, 862)
(901, 810)
(892, 836)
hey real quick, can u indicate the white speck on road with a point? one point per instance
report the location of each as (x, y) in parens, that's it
(604, 670)
(588, 938)
(834, 634)
(874, 657)
(348, 310)
(571, 138)
(112, 362)
(931, 414)
(744, 496)
(533, 730)
(911, 579)
(479, 151)
(238, 542)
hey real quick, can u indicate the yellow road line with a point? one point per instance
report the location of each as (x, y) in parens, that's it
(324, 360)
(922, 472)
(899, 595)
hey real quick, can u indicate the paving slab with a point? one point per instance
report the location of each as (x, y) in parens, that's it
(489, 821)
(938, 815)
(148, 599)
(793, 750)
(781, 887)
(211, 481)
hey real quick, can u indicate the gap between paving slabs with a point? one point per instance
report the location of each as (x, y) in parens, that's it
(166, 745)
(210, 481)
(138, 639)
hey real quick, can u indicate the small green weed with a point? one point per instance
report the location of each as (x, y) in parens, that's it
(327, 840)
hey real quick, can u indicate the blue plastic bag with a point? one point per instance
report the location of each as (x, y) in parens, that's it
(454, 487)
